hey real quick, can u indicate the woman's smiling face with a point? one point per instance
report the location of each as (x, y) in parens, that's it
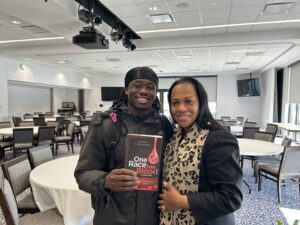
(184, 105)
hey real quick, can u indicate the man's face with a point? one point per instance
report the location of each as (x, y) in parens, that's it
(141, 94)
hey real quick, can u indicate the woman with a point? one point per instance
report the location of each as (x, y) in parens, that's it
(202, 176)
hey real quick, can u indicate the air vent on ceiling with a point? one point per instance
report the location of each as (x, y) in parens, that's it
(34, 29)
(113, 60)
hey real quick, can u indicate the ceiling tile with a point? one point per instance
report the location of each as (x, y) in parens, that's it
(127, 11)
(137, 21)
(243, 11)
(161, 8)
(215, 4)
(247, 2)
(248, 19)
(215, 31)
(191, 5)
(110, 3)
(187, 16)
(215, 14)
(239, 29)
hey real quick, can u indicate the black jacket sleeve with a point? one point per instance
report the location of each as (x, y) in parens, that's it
(90, 170)
(220, 180)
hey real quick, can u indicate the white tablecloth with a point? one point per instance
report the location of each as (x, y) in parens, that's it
(252, 147)
(53, 185)
(9, 130)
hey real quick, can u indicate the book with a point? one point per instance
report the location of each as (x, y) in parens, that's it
(143, 155)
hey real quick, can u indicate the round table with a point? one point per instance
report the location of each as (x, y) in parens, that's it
(9, 130)
(53, 185)
(253, 147)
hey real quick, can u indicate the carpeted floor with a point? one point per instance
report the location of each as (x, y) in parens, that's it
(259, 208)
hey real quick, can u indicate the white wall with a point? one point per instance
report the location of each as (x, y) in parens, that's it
(228, 102)
(41, 75)
(64, 95)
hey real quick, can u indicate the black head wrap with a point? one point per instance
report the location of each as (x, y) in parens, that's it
(141, 73)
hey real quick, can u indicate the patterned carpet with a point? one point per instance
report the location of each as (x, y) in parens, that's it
(259, 208)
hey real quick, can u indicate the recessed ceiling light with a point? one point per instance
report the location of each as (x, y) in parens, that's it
(63, 61)
(277, 8)
(161, 18)
(182, 5)
(16, 22)
(153, 8)
(184, 56)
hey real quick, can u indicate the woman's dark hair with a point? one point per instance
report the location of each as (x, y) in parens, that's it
(204, 115)
(138, 73)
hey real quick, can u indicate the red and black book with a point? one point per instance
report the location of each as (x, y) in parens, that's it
(143, 155)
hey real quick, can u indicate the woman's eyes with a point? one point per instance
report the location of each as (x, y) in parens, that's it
(186, 102)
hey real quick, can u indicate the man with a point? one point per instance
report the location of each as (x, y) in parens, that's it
(100, 170)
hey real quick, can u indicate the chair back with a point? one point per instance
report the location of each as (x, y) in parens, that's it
(37, 113)
(70, 129)
(286, 142)
(23, 136)
(49, 114)
(272, 128)
(249, 132)
(250, 124)
(46, 135)
(289, 164)
(8, 202)
(240, 120)
(263, 136)
(53, 124)
(40, 155)
(39, 121)
(16, 120)
(228, 123)
(17, 172)
(83, 123)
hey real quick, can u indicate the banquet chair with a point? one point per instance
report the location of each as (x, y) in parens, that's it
(272, 128)
(46, 135)
(248, 132)
(228, 123)
(22, 139)
(262, 160)
(37, 113)
(39, 155)
(61, 125)
(39, 121)
(250, 124)
(240, 120)
(287, 171)
(16, 120)
(10, 210)
(68, 139)
(17, 171)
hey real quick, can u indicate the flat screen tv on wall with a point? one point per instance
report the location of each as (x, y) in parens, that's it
(110, 93)
(248, 87)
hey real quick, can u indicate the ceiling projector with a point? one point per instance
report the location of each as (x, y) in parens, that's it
(90, 39)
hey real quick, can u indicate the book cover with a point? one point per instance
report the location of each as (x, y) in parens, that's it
(143, 155)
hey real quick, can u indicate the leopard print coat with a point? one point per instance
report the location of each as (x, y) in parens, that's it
(182, 169)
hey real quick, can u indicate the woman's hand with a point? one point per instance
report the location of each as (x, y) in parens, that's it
(121, 180)
(171, 199)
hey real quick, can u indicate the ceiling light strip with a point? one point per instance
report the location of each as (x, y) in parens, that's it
(218, 26)
(31, 39)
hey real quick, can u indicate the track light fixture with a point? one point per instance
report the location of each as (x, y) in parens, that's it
(128, 44)
(88, 17)
(116, 36)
